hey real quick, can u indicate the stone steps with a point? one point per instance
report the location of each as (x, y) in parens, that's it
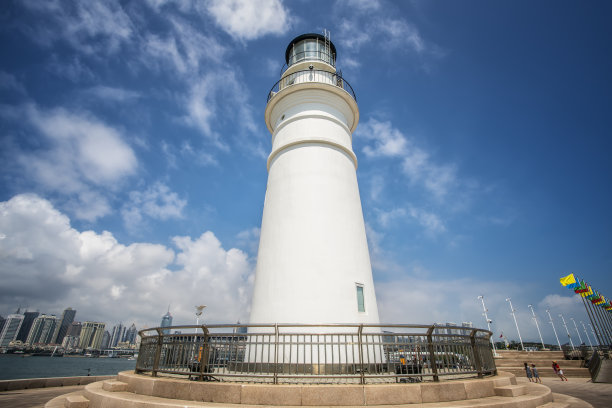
(568, 372)
(526, 395)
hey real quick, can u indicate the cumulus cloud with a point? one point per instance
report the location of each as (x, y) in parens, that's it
(248, 20)
(49, 265)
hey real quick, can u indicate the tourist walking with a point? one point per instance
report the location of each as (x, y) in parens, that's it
(558, 371)
(528, 372)
(534, 372)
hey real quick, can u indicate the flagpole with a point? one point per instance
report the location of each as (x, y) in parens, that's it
(605, 324)
(537, 325)
(587, 334)
(566, 329)
(489, 321)
(592, 319)
(512, 310)
(577, 332)
(553, 326)
(608, 321)
(599, 324)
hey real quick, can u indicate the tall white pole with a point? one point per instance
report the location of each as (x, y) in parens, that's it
(567, 330)
(512, 310)
(577, 332)
(587, 334)
(198, 313)
(553, 326)
(537, 325)
(593, 332)
(489, 321)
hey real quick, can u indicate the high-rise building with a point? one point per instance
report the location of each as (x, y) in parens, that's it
(2, 321)
(11, 329)
(70, 342)
(130, 334)
(42, 329)
(74, 329)
(62, 329)
(26, 326)
(106, 338)
(91, 335)
(117, 335)
(166, 321)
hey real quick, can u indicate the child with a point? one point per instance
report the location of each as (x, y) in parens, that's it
(536, 376)
(528, 372)
(558, 371)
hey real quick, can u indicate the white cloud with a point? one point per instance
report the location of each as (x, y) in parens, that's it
(156, 202)
(93, 27)
(248, 20)
(49, 265)
(386, 217)
(9, 82)
(417, 163)
(77, 156)
(249, 239)
(431, 222)
(112, 94)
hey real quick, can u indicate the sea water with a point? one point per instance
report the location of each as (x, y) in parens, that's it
(15, 366)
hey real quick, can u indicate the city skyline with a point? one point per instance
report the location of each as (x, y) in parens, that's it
(135, 147)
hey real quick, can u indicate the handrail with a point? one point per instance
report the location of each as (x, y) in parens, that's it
(310, 353)
(308, 76)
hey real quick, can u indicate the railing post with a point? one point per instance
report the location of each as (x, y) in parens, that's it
(475, 353)
(360, 341)
(205, 352)
(275, 353)
(432, 355)
(160, 341)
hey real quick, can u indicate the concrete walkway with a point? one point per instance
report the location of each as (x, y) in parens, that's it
(597, 394)
(34, 398)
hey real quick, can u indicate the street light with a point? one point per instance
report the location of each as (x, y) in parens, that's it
(537, 325)
(568, 335)
(553, 326)
(512, 310)
(587, 334)
(489, 321)
(198, 313)
(577, 332)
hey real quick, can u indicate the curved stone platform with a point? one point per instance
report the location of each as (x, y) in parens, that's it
(131, 390)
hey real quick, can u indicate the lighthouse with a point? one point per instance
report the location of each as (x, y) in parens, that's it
(313, 263)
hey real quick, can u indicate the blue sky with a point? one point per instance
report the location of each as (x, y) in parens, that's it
(134, 147)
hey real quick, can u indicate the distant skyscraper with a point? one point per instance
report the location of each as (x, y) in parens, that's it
(166, 321)
(91, 335)
(74, 330)
(106, 340)
(2, 321)
(117, 335)
(62, 329)
(10, 329)
(130, 334)
(26, 326)
(42, 329)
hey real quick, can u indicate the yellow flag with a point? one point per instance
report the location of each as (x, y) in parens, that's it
(569, 279)
(589, 292)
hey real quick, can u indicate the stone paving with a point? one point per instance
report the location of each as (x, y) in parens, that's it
(34, 398)
(599, 395)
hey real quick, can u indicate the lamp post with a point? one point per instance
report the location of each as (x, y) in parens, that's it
(593, 332)
(512, 310)
(566, 329)
(587, 334)
(537, 325)
(489, 321)
(198, 313)
(577, 332)
(553, 327)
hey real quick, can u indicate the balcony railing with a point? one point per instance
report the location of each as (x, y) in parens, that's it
(311, 75)
(283, 353)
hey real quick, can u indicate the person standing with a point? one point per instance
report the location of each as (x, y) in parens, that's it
(558, 371)
(534, 372)
(528, 372)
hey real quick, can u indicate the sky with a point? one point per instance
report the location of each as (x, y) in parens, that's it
(133, 151)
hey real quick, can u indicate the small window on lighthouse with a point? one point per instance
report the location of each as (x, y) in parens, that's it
(360, 302)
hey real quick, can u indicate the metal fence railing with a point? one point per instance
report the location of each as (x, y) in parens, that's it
(281, 353)
(311, 75)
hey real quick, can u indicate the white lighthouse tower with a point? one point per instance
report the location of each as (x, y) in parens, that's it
(313, 265)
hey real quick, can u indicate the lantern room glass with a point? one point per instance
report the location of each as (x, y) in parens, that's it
(311, 49)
